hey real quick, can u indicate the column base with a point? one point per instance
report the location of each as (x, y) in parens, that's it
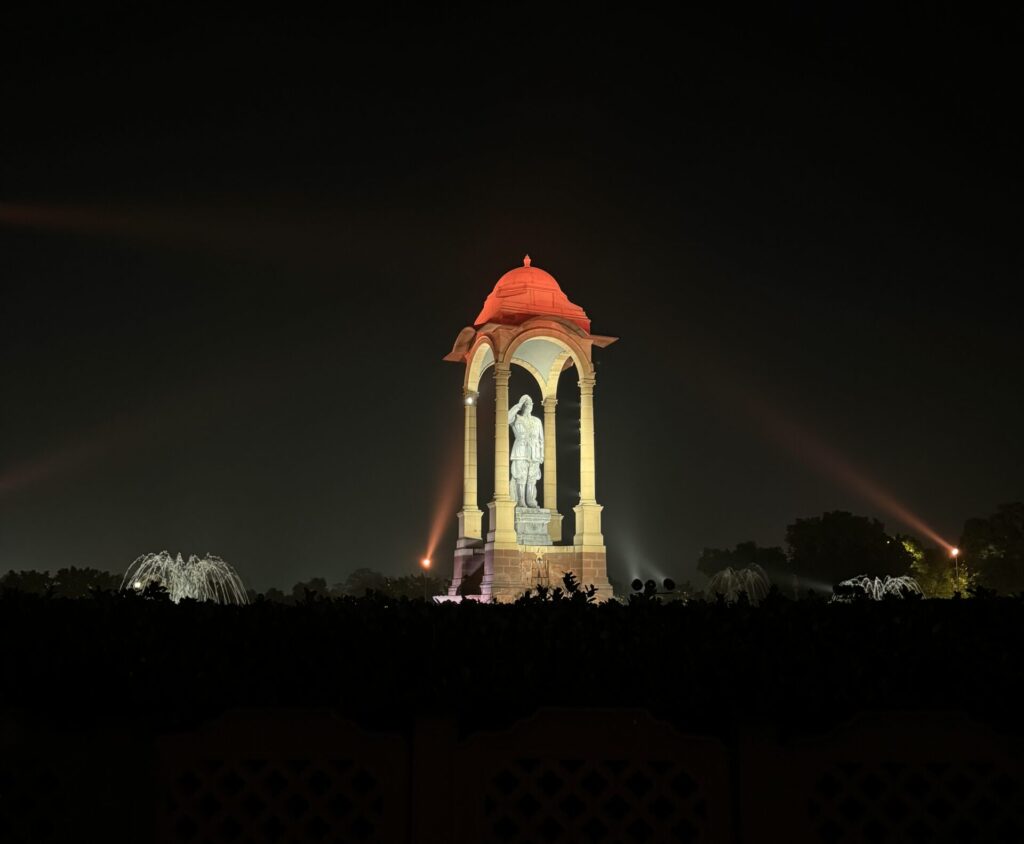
(471, 522)
(555, 527)
(501, 524)
(468, 567)
(588, 525)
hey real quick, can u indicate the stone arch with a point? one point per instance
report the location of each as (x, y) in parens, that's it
(549, 362)
(535, 372)
(479, 359)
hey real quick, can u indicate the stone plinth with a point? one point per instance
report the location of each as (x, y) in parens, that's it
(532, 526)
(509, 572)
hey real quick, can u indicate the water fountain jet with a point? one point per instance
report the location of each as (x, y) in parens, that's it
(206, 578)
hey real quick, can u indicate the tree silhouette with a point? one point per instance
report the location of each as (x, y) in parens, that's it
(29, 582)
(745, 554)
(995, 548)
(838, 545)
(76, 582)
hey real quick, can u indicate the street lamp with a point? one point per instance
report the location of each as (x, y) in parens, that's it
(955, 554)
(425, 565)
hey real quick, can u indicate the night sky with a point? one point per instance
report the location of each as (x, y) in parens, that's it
(234, 251)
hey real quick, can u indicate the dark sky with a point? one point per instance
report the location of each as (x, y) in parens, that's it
(233, 252)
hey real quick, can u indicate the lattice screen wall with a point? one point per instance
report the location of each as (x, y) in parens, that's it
(612, 800)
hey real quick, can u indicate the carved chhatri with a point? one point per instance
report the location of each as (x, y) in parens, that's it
(527, 321)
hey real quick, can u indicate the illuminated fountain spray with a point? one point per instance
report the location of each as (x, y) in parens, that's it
(206, 578)
(753, 581)
(875, 589)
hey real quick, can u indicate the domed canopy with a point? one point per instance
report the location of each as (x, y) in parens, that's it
(527, 292)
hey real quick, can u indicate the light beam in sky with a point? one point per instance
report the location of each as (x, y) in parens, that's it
(446, 499)
(274, 230)
(807, 447)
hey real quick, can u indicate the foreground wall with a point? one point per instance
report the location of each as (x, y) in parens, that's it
(562, 775)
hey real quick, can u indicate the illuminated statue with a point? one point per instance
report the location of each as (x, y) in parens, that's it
(527, 453)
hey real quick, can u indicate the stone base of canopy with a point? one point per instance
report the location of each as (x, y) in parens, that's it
(509, 572)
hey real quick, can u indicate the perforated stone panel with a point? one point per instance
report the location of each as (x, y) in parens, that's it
(275, 800)
(885, 777)
(591, 776)
(284, 779)
(594, 800)
(929, 802)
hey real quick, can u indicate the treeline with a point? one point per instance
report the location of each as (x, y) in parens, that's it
(824, 550)
(819, 552)
(74, 582)
(71, 582)
(361, 582)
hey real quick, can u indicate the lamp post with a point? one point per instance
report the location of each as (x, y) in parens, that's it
(425, 565)
(955, 554)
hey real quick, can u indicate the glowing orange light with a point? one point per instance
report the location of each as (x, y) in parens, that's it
(425, 562)
(955, 552)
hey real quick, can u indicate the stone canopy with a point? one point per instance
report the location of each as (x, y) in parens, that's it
(527, 322)
(529, 291)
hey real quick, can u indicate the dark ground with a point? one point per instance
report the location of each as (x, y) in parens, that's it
(798, 665)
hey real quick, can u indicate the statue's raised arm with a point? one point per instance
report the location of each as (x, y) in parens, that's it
(513, 412)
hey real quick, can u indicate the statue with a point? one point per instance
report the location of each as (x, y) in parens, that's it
(527, 453)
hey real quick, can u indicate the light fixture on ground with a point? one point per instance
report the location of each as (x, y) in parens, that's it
(650, 588)
(425, 565)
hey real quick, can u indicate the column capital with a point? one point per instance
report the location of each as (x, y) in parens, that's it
(469, 397)
(550, 401)
(502, 372)
(587, 382)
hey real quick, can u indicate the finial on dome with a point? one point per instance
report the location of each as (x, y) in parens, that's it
(526, 261)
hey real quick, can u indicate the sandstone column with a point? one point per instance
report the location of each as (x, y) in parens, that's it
(588, 511)
(502, 522)
(551, 469)
(470, 516)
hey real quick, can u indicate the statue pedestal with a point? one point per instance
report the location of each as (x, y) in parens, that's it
(532, 526)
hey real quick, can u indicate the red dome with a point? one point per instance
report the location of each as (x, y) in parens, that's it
(526, 292)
